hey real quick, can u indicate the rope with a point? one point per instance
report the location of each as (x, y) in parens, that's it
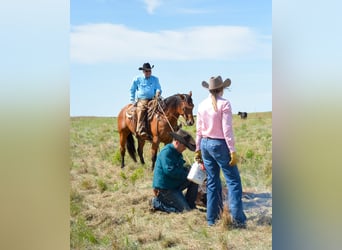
(165, 116)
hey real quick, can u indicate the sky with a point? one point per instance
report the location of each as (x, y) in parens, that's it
(186, 41)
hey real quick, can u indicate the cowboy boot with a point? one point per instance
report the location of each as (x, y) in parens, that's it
(143, 131)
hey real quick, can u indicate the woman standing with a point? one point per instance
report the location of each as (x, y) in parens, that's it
(216, 146)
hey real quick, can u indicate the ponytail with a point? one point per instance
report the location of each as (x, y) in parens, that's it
(214, 93)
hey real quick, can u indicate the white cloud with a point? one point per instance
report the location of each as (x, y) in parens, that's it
(151, 5)
(96, 43)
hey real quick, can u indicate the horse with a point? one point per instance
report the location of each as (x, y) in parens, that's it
(162, 119)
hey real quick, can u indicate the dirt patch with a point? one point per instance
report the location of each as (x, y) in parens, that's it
(258, 207)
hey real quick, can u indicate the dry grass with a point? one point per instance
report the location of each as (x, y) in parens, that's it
(110, 206)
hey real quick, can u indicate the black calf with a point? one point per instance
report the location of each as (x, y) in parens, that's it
(243, 115)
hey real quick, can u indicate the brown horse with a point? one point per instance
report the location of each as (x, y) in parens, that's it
(163, 117)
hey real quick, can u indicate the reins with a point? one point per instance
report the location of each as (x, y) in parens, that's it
(160, 105)
(168, 122)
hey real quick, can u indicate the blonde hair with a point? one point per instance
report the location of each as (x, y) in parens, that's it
(214, 93)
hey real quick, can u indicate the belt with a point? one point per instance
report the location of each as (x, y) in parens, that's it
(210, 138)
(140, 99)
(207, 137)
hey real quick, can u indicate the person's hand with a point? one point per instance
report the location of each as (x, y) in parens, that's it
(233, 159)
(157, 95)
(202, 167)
(198, 156)
(156, 192)
(187, 166)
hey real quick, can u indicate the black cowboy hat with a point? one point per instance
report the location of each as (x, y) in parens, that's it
(146, 66)
(184, 138)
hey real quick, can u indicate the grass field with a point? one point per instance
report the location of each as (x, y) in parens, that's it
(109, 205)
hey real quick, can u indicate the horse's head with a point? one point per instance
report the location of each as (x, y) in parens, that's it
(187, 107)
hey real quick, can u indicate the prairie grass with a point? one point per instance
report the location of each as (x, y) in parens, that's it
(109, 206)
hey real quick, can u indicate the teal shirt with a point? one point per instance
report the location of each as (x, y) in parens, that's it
(169, 171)
(144, 88)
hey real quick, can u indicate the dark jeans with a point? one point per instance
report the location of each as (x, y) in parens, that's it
(173, 200)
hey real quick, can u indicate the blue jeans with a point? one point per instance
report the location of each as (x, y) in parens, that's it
(170, 200)
(216, 156)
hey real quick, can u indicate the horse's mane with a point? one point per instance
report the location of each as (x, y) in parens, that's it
(171, 102)
(168, 103)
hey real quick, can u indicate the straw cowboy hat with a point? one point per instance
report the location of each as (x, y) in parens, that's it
(185, 138)
(146, 66)
(216, 82)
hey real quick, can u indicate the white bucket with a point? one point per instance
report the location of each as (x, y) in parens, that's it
(196, 174)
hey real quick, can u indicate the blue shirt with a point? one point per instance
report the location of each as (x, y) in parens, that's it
(169, 171)
(144, 88)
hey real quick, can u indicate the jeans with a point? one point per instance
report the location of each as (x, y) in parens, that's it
(158, 205)
(216, 156)
(174, 200)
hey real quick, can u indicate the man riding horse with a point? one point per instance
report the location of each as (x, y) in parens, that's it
(162, 119)
(143, 89)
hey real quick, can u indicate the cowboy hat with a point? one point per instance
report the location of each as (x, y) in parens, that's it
(146, 66)
(216, 82)
(184, 138)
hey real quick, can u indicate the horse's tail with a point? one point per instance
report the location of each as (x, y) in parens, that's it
(130, 146)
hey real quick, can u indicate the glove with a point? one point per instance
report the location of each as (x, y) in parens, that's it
(233, 159)
(157, 95)
(198, 156)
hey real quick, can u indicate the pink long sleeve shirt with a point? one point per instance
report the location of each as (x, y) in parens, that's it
(213, 124)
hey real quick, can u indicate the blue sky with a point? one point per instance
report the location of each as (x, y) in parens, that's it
(186, 41)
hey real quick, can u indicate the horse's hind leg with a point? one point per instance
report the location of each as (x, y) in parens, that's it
(122, 149)
(126, 140)
(122, 158)
(141, 144)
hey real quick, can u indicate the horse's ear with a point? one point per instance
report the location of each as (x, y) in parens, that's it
(190, 93)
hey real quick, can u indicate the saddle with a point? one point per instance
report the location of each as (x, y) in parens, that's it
(154, 106)
(131, 112)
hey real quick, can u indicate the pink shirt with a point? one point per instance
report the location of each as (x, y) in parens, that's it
(213, 124)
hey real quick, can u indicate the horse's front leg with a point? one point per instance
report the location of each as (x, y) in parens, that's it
(141, 144)
(154, 150)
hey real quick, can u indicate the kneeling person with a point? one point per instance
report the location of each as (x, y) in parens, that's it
(170, 176)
